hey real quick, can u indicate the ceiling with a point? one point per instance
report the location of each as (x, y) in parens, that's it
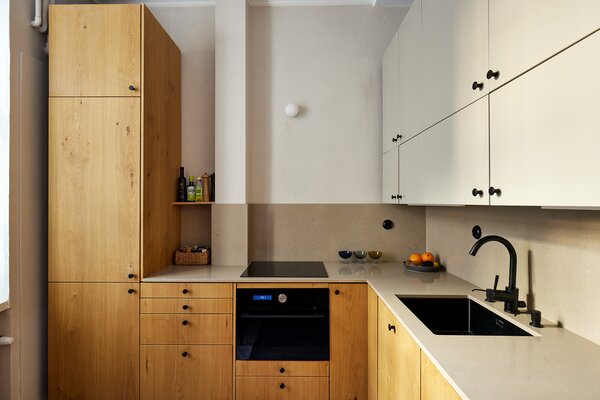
(183, 3)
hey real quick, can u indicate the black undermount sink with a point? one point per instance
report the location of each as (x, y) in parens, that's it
(459, 316)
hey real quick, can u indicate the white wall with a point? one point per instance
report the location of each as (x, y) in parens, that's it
(328, 61)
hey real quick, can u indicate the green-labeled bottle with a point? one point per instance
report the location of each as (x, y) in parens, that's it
(191, 190)
(198, 196)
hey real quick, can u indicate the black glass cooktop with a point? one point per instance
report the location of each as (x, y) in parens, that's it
(285, 269)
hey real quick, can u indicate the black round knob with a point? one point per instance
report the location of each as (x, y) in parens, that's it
(387, 224)
(337, 292)
(477, 85)
(185, 291)
(131, 276)
(391, 328)
(184, 322)
(476, 192)
(281, 386)
(493, 191)
(184, 354)
(131, 291)
(492, 74)
(131, 87)
(282, 370)
(185, 307)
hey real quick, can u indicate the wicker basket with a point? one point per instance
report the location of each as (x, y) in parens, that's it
(200, 258)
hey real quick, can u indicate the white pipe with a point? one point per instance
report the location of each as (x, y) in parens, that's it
(44, 27)
(37, 21)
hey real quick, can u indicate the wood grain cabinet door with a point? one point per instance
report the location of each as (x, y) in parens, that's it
(282, 388)
(93, 341)
(433, 385)
(94, 189)
(94, 50)
(348, 341)
(186, 372)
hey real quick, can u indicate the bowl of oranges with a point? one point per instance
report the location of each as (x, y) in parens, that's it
(424, 262)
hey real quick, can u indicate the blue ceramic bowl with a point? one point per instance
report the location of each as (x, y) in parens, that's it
(345, 254)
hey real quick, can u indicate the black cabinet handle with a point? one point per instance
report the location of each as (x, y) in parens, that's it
(398, 137)
(282, 370)
(131, 276)
(131, 87)
(394, 197)
(476, 192)
(492, 74)
(494, 191)
(184, 354)
(337, 292)
(477, 85)
(391, 328)
(185, 307)
(184, 322)
(281, 386)
(131, 291)
(185, 291)
(394, 139)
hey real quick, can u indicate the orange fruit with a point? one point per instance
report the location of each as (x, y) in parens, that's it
(427, 257)
(415, 258)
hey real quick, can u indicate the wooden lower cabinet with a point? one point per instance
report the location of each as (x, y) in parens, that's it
(282, 388)
(93, 341)
(398, 359)
(372, 300)
(433, 385)
(186, 372)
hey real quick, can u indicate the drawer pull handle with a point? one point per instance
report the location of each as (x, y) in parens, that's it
(131, 276)
(185, 291)
(477, 85)
(476, 192)
(184, 354)
(131, 291)
(494, 191)
(492, 74)
(391, 328)
(185, 307)
(337, 292)
(281, 386)
(131, 87)
(282, 370)
(185, 322)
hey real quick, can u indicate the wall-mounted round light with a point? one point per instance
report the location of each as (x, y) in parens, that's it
(291, 110)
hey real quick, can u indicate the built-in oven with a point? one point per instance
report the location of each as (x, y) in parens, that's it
(282, 324)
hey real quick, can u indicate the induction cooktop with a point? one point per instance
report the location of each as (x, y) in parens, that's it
(285, 269)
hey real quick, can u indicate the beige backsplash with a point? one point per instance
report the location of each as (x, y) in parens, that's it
(558, 249)
(318, 231)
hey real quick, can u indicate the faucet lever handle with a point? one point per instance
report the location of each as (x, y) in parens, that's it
(496, 282)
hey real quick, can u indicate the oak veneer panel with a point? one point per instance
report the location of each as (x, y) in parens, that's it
(398, 359)
(295, 388)
(161, 151)
(94, 50)
(93, 189)
(93, 341)
(186, 306)
(433, 385)
(199, 329)
(204, 373)
(279, 285)
(372, 300)
(188, 290)
(348, 341)
(273, 368)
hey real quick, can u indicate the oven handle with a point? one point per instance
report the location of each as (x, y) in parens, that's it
(282, 316)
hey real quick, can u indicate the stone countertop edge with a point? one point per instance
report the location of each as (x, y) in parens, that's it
(554, 364)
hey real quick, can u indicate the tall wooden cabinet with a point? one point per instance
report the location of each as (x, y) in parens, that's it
(114, 152)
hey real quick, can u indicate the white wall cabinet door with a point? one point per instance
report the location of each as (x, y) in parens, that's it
(390, 95)
(455, 159)
(410, 76)
(544, 132)
(390, 177)
(523, 33)
(409, 170)
(455, 55)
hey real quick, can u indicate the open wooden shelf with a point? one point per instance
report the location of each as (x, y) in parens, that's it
(192, 203)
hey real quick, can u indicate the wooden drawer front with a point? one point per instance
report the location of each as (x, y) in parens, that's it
(284, 388)
(282, 368)
(186, 372)
(186, 306)
(188, 290)
(185, 329)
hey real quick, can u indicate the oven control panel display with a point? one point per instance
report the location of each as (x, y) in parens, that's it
(262, 297)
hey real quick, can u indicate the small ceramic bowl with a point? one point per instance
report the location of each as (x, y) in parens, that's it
(375, 255)
(345, 255)
(360, 255)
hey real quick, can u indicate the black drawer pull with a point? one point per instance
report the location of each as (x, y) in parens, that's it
(184, 322)
(391, 328)
(281, 386)
(282, 370)
(185, 307)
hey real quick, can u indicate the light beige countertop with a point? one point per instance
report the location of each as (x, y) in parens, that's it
(555, 364)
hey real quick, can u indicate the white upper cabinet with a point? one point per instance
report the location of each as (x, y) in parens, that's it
(523, 33)
(410, 83)
(390, 177)
(409, 168)
(545, 132)
(455, 160)
(455, 55)
(390, 95)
